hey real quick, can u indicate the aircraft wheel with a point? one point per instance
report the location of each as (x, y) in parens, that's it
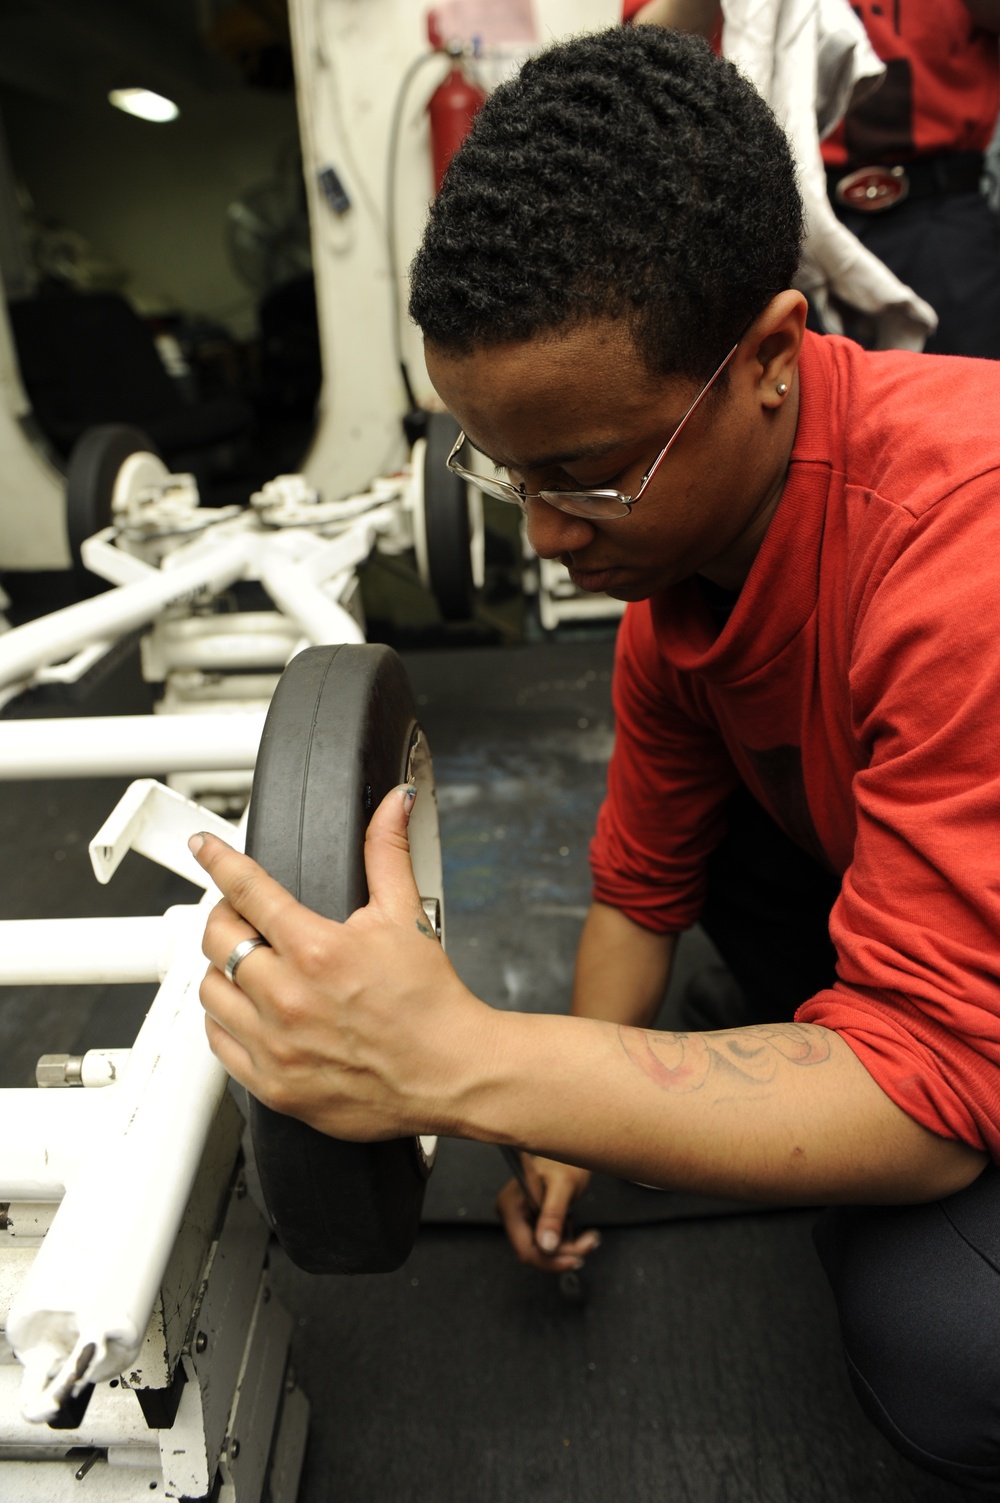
(447, 524)
(94, 471)
(340, 732)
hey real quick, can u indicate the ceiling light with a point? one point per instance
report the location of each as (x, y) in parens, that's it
(145, 104)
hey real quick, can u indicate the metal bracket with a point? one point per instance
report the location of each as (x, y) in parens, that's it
(157, 822)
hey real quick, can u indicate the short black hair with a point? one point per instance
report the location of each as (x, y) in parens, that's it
(627, 173)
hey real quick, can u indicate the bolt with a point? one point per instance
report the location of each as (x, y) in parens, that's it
(200, 1341)
(234, 1449)
(59, 1070)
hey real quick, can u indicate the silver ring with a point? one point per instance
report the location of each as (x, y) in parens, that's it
(241, 952)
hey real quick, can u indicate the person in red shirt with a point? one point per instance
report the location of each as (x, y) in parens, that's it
(806, 752)
(905, 165)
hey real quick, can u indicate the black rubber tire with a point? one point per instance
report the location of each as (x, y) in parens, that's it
(97, 456)
(336, 739)
(446, 523)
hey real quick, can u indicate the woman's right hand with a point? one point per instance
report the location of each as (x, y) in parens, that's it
(541, 1241)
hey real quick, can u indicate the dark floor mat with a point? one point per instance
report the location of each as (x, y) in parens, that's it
(519, 784)
(520, 739)
(704, 1368)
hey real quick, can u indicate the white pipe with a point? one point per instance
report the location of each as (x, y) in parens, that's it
(113, 1418)
(73, 669)
(322, 620)
(82, 1311)
(124, 745)
(116, 565)
(249, 639)
(220, 652)
(59, 952)
(45, 1136)
(323, 558)
(100, 1068)
(252, 626)
(61, 634)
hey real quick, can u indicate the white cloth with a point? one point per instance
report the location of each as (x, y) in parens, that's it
(811, 59)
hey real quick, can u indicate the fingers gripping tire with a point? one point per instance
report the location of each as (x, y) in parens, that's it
(340, 732)
(97, 457)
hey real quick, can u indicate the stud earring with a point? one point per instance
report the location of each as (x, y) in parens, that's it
(781, 388)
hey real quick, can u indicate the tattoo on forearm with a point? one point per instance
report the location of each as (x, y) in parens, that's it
(425, 929)
(682, 1061)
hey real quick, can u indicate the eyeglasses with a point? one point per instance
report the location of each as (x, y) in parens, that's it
(584, 503)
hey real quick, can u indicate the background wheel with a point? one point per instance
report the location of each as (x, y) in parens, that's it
(340, 732)
(447, 524)
(93, 469)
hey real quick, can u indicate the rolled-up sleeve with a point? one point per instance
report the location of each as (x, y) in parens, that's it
(917, 924)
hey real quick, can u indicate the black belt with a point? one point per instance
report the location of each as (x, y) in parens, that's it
(871, 189)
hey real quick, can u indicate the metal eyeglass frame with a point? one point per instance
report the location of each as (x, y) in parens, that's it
(584, 503)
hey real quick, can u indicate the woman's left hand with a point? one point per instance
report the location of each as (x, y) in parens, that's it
(362, 1029)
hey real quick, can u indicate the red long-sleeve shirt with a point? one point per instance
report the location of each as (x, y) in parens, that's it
(940, 89)
(855, 689)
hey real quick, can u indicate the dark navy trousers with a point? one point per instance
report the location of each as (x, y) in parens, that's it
(917, 1287)
(948, 250)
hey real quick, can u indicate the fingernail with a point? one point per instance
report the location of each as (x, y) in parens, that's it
(409, 794)
(196, 842)
(594, 1240)
(548, 1241)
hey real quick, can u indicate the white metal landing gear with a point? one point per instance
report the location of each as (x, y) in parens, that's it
(209, 1406)
(144, 1353)
(559, 600)
(151, 1356)
(173, 564)
(133, 1265)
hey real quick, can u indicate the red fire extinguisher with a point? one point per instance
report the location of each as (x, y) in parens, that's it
(452, 107)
